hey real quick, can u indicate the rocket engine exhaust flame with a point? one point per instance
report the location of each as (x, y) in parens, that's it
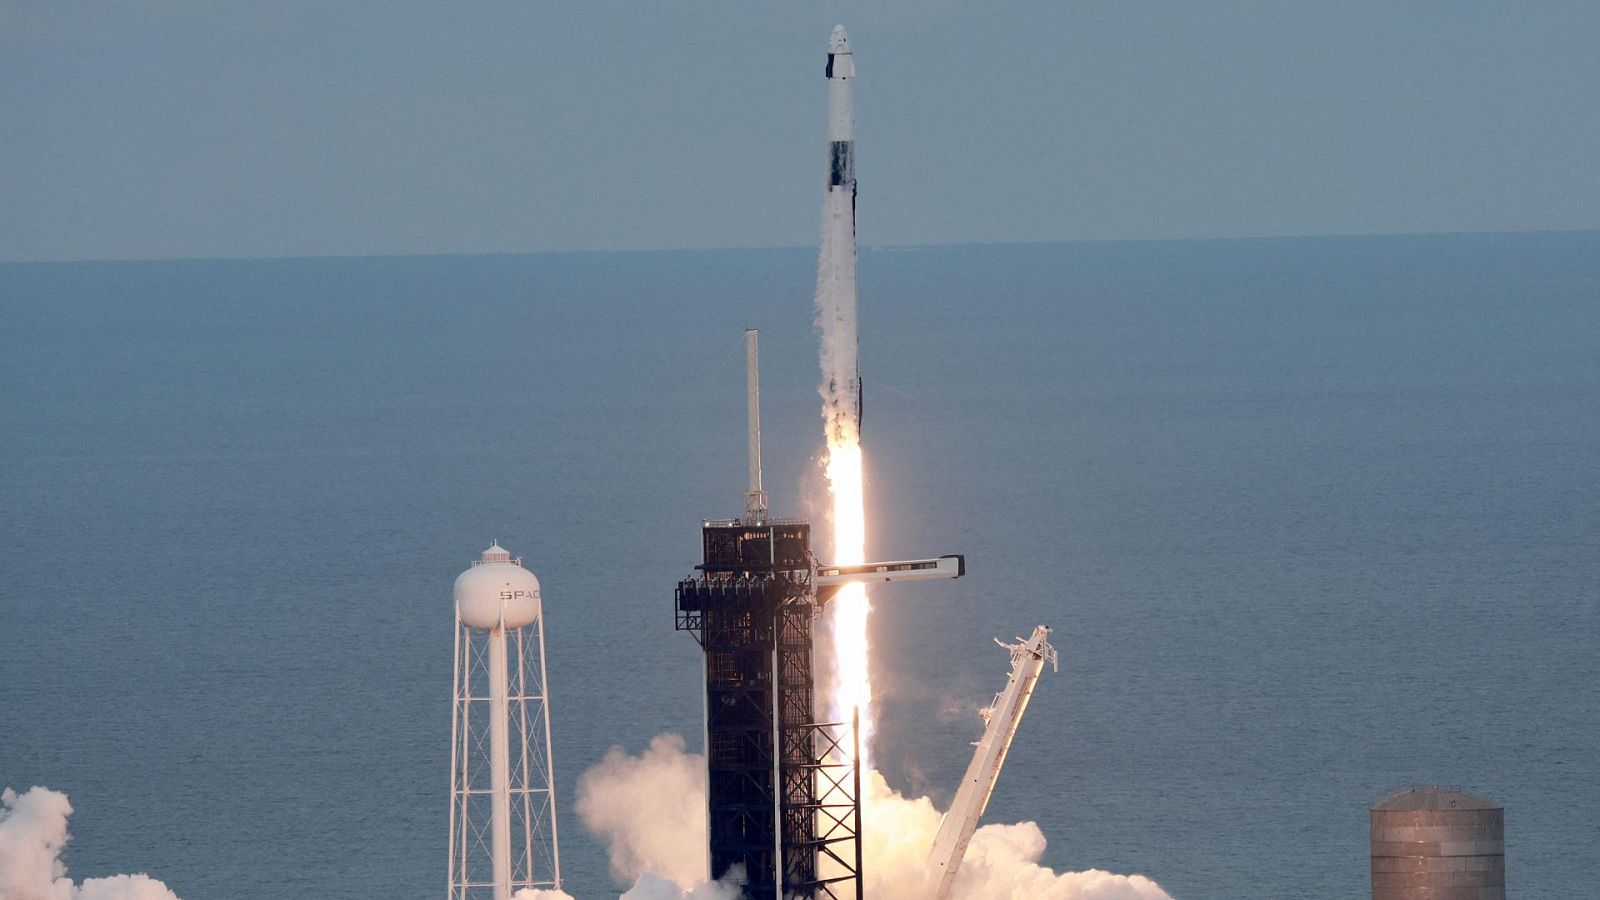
(850, 607)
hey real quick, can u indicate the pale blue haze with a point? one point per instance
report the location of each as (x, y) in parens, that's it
(1313, 518)
(225, 128)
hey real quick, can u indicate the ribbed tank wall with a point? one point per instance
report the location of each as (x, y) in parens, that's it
(1438, 845)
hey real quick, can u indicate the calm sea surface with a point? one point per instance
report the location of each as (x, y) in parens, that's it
(1312, 518)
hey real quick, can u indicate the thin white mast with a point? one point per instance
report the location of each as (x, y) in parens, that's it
(755, 499)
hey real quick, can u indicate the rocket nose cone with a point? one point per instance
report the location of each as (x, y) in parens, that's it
(839, 42)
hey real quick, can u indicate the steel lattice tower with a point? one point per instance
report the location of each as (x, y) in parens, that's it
(781, 786)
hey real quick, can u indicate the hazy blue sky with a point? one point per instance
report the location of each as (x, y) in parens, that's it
(168, 128)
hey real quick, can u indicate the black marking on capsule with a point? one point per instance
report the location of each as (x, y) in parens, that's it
(841, 163)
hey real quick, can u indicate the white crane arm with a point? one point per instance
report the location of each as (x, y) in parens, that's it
(961, 820)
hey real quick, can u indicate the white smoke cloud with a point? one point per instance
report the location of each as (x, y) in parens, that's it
(122, 887)
(654, 887)
(1001, 863)
(33, 832)
(650, 810)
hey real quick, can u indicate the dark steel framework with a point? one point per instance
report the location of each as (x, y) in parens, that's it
(781, 793)
(834, 813)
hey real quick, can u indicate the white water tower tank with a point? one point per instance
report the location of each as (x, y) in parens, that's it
(497, 592)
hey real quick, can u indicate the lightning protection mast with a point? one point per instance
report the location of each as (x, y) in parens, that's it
(502, 795)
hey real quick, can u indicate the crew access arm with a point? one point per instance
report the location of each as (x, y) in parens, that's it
(955, 831)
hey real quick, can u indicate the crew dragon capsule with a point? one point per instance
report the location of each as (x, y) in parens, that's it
(836, 269)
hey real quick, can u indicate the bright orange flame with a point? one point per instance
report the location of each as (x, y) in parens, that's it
(849, 608)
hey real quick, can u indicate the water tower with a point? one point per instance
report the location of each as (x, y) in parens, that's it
(502, 794)
(1438, 844)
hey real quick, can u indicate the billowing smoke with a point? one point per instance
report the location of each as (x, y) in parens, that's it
(1002, 862)
(654, 887)
(651, 887)
(33, 832)
(650, 811)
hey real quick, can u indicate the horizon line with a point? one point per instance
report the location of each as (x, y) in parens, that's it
(769, 247)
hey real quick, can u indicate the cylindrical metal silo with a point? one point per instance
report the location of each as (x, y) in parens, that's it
(1438, 844)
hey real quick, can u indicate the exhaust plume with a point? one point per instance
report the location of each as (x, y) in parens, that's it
(1001, 862)
(33, 832)
(654, 887)
(651, 811)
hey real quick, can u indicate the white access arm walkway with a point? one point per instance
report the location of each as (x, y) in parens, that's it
(955, 831)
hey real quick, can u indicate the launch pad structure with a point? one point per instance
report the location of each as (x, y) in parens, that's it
(783, 789)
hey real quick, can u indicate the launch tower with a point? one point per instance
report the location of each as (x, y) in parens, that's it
(781, 786)
(782, 789)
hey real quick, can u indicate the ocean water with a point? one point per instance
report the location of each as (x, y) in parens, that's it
(1312, 519)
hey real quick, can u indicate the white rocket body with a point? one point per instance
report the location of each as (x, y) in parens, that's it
(836, 263)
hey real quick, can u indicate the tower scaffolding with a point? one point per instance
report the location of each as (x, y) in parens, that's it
(782, 788)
